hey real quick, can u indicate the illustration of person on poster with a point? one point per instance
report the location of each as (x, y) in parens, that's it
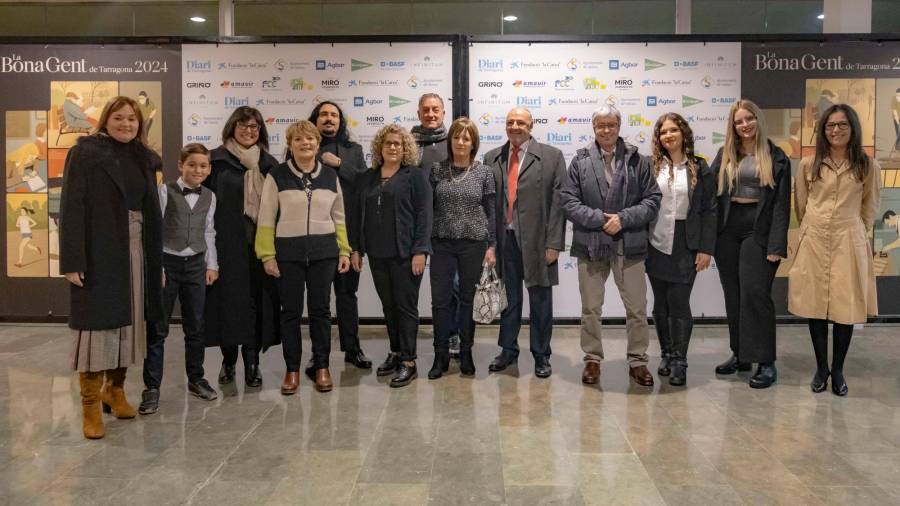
(25, 223)
(895, 112)
(890, 219)
(148, 110)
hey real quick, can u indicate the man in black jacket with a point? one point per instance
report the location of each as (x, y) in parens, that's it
(610, 196)
(346, 157)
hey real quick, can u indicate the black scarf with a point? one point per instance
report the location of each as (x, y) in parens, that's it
(429, 135)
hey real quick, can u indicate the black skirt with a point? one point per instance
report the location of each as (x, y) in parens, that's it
(678, 267)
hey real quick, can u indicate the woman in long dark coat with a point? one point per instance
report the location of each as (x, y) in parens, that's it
(242, 307)
(111, 253)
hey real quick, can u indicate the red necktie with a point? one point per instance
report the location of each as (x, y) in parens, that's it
(512, 182)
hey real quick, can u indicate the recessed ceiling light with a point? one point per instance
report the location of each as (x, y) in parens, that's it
(198, 19)
(820, 16)
(510, 18)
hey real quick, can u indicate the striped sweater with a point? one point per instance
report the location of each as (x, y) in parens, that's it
(301, 217)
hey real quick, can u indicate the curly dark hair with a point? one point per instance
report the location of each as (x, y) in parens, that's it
(661, 155)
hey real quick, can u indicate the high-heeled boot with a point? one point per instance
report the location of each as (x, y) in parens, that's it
(92, 418)
(466, 362)
(441, 364)
(681, 329)
(113, 394)
(661, 324)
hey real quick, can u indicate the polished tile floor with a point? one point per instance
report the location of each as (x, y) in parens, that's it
(507, 438)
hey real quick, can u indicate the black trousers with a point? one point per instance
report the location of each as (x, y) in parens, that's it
(540, 301)
(186, 281)
(315, 281)
(747, 278)
(398, 290)
(259, 284)
(452, 257)
(671, 300)
(347, 305)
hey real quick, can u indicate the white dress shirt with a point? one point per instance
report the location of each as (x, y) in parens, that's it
(673, 206)
(212, 262)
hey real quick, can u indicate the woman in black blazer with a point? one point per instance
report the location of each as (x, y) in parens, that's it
(392, 224)
(683, 239)
(111, 253)
(242, 306)
(754, 180)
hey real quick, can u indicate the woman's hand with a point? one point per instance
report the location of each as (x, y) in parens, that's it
(271, 268)
(490, 257)
(76, 278)
(356, 261)
(343, 264)
(702, 261)
(418, 264)
(774, 258)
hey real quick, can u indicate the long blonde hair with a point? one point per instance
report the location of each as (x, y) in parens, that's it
(731, 157)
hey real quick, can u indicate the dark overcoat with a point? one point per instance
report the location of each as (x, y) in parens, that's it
(242, 305)
(93, 233)
(537, 215)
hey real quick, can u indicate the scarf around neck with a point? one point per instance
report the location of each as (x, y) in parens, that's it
(253, 178)
(429, 135)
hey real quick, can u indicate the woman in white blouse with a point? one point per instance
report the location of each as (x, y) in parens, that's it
(683, 238)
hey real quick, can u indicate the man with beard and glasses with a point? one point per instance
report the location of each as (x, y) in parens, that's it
(346, 157)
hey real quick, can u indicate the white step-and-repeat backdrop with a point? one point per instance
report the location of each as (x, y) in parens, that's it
(562, 84)
(375, 84)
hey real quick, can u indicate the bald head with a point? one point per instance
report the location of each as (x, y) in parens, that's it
(518, 125)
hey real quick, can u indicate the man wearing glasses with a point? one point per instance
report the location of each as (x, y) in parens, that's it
(346, 157)
(610, 196)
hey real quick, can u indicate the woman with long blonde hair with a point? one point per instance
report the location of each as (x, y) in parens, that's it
(754, 205)
(682, 238)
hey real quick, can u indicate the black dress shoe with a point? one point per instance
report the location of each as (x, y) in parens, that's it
(732, 365)
(542, 367)
(665, 365)
(252, 376)
(226, 375)
(440, 366)
(765, 376)
(389, 365)
(405, 374)
(149, 402)
(358, 359)
(819, 382)
(838, 385)
(501, 362)
(202, 390)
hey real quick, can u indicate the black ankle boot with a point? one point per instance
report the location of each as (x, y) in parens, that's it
(679, 372)
(766, 375)
(820, 381)
(466, 362)
(440, 366)
(838, 383)
(661, 323)
(732, 365)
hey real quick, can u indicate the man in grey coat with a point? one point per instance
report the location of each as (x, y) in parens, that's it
(610, 195)
(530, 235)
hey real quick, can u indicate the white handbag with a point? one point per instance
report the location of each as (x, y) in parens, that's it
(490, 297)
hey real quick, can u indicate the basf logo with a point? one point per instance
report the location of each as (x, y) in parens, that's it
(198, 66)
(685, 64)
(329, 65)
(490, 138)
(490, 65)
(723, 101)
(392, 65)
(199, 138)
(490, 84)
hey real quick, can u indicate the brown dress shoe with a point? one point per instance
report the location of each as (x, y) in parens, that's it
(323, 380)
(113, 395)
(291, 383)
(641, 375)
(591, 373)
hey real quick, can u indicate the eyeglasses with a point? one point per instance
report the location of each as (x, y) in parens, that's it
(608, 127)
(253, 127)
(842, 125)
(393, 145)
(745, 121)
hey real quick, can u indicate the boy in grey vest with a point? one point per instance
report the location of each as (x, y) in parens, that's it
(189, 264)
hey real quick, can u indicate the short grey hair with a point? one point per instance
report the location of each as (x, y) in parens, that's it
(426, 96)
(604, 111)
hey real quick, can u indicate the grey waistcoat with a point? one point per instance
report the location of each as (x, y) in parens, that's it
(182, 225)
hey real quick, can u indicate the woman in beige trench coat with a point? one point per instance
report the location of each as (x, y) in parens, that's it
(832, 278)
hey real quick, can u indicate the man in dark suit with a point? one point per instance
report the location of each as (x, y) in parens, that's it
(530, 236)
(346, 157)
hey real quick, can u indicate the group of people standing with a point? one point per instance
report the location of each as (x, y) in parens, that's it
(244, 241)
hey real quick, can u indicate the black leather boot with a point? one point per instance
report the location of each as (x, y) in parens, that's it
(766, 375)
(466, 362)
(733, 365)
(681, 329)
(441, 364)
(661, 323)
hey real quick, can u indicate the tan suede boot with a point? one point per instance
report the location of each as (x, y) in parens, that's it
(113, 395)
(92, 419)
